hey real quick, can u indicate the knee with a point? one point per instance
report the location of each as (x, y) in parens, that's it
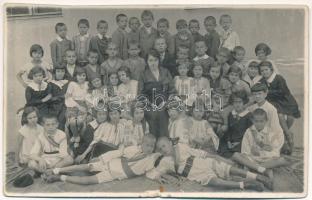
(32, 164)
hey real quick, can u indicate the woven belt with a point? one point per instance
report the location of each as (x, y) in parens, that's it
(188, 166)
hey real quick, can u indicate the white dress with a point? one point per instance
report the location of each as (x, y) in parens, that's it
(75, 93)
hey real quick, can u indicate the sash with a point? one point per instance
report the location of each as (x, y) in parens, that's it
(51, 140)
(188, 166)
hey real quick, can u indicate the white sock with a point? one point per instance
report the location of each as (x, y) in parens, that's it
(63, 178)
(251, 175)
(261, 169)
(56, 171)
(241, 185)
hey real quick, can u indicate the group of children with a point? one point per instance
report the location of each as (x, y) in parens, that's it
(84, 113)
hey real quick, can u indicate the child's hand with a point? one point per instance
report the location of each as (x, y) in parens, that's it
(47, 98)
(229, 144)
(79, 159)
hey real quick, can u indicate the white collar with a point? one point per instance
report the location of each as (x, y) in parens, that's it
(71, 66)
(100, 36)
(84, 36)
(59, 83)
(61, 39)
(201, 57)
(35, 86)
(148, 29)
(272, 77)
(242, 114)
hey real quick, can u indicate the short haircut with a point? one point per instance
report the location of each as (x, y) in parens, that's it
(36, 70)
(70, 50)
(147, 13)
(193, 21)
(163, 21)
(181, 22)
(224, 16)
(36, 48)
(60, 24)
(49, 116)
(92, 51)
(242, 94)
(154, 53)
(133, 43)
(212, 19)
(79, 71)
(253, 64)
(260, 112)
(163, 139)
(133, 18)
(216, 65)
(183, 47)
(186, 64)
(101, 22)
(61, 66)
(266, 63)
(112, 43)
(200, 40)
(225, 51)
(119, 16)
(85, 22)
(27, 111)
(264, 47)
(126, 70)
(259, 87)
(160, 38)
(237, 49)
(235, 69)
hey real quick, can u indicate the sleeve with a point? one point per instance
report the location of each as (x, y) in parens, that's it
(63, 147)
(171, 87)
(106, 157)
(212, 136)
(22, 131)
(116, 39)
(53, 52)
(282, 88)
(247, 143)
(72, 46)
(36, 149)
(97, 135)
(215, 44)
(196, 152)
(166, 165)
(29, 100)
(69, 101)
(171, 45)
(141, 84)
(87, 137)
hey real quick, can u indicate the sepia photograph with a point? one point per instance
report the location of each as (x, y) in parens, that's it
(162, 101)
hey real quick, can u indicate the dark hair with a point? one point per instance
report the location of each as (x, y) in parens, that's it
(163, 20)
(181, 22)
(183, 47)
(238, 48)
(235, 69)
(160, 38)
(154, 53)
(119, 16)
(253, 64)
(139, 105)
(133, 43)
(226, 51)
(264, 47)
(193, 21)
(198, 105)
(63, 67)
(224, 16)
(92, 51)
(261, 112)
(49, 116)
(242, 94)
(84, 21)
(200, 40)
(126, 70)
(27, 111)
(36, 48)
(266, 63)
(60, 24)
(210, 18)
(101, 22)
(146, 13)
(216, 65)
(78, 71)
(132, 18)
(111, 107)
(36, 70)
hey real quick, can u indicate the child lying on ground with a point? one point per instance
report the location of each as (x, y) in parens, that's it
(117, 165)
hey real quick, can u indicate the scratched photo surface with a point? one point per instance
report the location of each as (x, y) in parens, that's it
(137, 101)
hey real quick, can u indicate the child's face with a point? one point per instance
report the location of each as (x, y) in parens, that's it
(61, 31)
(70, 57)
(226, 23)
(81, 78)
(197, 71)
(152, 62)
(134, 24)
(114, 116)
(83, 29)
(101, 116)
(182, 54)
(215, 72)
(138, 114)
(133, 50)
(194, 27)
(59, 74)
(259, 121)
(173, 113)
(93, 58)
(162, 28)
(113, 79)
(233, 77)
(32, 118)
(148, 145)
(165, 148)
(182, 28)
(261, 55)
(123, 77)
(50, 125)
(210, 26)
(122, 23)
(222, 57)
(147, 21)
(112, 50)
(38, 77)
(239, 55)
(198, 114)
(36, 55)
(266, 71)
(182, 69)
(253, 72)
(259, 96)
(97, 83)
(200, 48)
(160, 45)
(102, 28)
(238, 104)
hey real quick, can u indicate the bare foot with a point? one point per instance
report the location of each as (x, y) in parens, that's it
(53, 178)
(254, 185)
(268, 183)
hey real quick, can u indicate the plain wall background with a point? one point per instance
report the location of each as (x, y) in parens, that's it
(282, 29)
